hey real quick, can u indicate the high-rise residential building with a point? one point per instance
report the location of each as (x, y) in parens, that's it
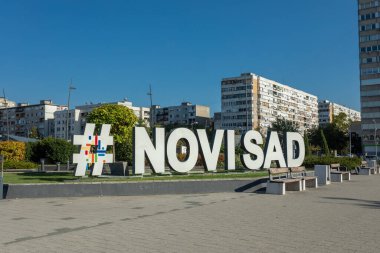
(327, 110)
(369, 60)
(23, 119)
(184, 114)
(251, 102)
(78, 117)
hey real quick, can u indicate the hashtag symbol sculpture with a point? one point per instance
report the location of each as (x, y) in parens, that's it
(93, 150)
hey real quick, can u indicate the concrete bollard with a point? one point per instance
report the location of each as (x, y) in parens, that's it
(42, 168)
(58, 166)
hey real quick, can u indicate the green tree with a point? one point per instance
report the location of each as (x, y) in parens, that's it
(53, 150)
(325, 146)
(34, 133)
(122, 120)
(336, 138)
(283, 125)
(307, 144)
(342, 122)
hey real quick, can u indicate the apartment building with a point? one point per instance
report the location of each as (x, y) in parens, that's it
(78, 117)
(6, 103)
(184, 114)
(25, 118)
(251, 102)
(369, 60)
(327, 110)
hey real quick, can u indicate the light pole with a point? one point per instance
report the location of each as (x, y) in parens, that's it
(246, 106)
(71, 87)
(150, 94)
(6, 111)
(374, 121)
(349, 132)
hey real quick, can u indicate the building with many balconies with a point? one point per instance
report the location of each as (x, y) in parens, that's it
(251, 102)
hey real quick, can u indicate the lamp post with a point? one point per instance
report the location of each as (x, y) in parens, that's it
(349, 132)
(68, 110)
(374, 121)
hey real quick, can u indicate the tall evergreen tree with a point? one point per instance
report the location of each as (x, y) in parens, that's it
(325, 146)
(307, 144)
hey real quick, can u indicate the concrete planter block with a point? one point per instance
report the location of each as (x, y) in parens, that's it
(119, 169)
(322, 172)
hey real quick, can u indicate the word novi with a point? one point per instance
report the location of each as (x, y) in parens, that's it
(162, 150)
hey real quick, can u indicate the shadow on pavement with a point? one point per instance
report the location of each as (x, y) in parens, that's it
(359, 202)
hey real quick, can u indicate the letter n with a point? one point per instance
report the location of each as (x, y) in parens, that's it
(142, 145)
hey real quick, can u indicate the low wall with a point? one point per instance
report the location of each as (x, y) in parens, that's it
(12, 191)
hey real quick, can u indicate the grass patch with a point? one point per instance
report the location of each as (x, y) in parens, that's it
(68, 177)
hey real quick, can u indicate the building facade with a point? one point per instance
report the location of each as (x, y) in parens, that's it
(369, 60)
(24, 119)
(184, 114)
(327, 110)
(251, 102)
(4, 103)
(78, 118)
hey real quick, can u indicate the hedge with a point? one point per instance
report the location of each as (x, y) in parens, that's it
(19, 165)
(348, 162)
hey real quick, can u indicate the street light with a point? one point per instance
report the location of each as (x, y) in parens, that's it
(349, 131)
(374, 121)
(71, 87)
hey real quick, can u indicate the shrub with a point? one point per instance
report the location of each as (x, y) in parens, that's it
(19, 165)
(12, 150)
(53, 150)
(348, 162)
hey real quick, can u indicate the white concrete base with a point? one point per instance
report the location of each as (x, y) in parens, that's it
(336, 177)
(275, 188)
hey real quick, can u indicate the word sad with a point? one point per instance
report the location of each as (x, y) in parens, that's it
(162, 150)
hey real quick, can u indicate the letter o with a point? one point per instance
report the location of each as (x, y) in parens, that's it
(171, 150)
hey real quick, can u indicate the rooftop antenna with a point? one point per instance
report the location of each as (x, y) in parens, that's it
(6, 110)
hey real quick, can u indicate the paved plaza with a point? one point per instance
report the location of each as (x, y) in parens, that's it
(342, 217)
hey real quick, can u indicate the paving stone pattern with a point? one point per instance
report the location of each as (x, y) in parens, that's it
(342, 217)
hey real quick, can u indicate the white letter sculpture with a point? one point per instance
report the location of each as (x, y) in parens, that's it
(273, 151)
(252, 149)
(294, 142)
(192, 151)
(143, 145)
(98, 157)
(210, 154)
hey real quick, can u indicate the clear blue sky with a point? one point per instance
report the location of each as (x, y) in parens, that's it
(114, 49)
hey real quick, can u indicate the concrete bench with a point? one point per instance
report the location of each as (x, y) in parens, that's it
(300, 172)
(280, 181)
(339, 173)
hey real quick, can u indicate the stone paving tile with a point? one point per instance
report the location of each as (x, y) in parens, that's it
(336, 218)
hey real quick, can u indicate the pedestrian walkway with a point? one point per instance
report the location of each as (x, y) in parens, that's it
(342, 217)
